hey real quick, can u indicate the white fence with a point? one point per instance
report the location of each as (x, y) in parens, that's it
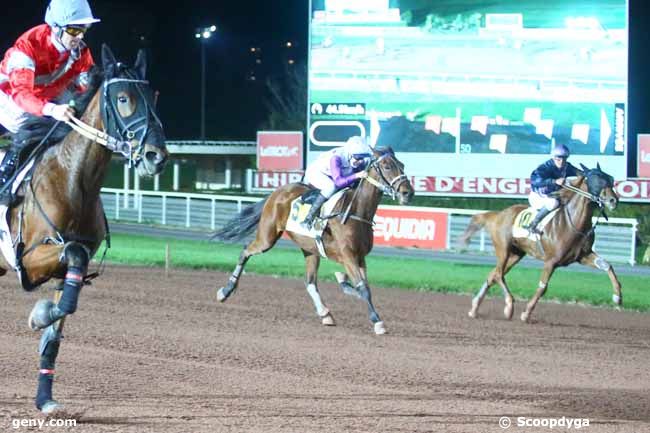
(615, 239)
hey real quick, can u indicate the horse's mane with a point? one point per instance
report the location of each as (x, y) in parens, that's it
(35, 128)
(566, 194)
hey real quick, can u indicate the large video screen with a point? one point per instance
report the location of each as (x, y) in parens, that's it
(471, 87)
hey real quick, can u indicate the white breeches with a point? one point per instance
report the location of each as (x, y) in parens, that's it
(11, 115)
(321, 181)
(538, 201)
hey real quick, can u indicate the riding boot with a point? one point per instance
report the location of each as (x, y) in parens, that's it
(532, 227)
(314, 211)
(7, 168)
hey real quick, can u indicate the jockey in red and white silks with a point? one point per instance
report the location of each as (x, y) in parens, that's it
(44, 62)
(337, 169)
(45, 65)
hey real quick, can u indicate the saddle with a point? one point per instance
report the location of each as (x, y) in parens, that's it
(29, 153)
(524, 218)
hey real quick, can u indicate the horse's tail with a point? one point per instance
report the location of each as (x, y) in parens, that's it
(477, 222)
(242, 225)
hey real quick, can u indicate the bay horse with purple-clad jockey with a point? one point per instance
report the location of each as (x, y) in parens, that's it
(347, 238)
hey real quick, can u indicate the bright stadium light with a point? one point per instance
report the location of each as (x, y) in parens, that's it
(203, 33)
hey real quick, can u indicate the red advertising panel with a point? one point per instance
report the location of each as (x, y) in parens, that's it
(279, 150)
(404, 227)
(643, 155)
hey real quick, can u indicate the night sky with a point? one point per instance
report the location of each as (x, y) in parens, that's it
(235, 106)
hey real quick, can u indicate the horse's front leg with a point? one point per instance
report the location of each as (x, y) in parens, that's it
(547, 272)
(48, 350)
(40, 264)
(595, 261)
(361, 289)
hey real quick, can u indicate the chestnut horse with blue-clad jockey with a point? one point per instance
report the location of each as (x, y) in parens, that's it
(567, 236)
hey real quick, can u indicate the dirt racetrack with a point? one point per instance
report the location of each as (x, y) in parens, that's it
(145, 353)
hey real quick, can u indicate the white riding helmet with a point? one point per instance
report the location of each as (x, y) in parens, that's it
(61, 13)
(358, 147)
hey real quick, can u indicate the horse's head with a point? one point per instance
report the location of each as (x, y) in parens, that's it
(387, 169)
(128, 112)
(601, 185)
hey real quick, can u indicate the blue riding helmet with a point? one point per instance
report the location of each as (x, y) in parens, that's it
(560, 151)
(62, 13)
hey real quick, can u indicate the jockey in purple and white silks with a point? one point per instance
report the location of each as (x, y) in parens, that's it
(547, 179)
(336, 169)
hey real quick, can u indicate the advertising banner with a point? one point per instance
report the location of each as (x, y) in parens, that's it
(404, 227)
(279, 150)
(631, 190)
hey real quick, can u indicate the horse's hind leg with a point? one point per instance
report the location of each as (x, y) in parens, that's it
(513, 259)
(266, 236)
(497, 276)
(311, 262)
(595, 261)
(547, 272)
(360, 289)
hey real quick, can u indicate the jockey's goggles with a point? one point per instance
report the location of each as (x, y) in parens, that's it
(75, 30)
(358, 156)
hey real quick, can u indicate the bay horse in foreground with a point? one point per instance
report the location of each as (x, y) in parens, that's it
(567, 238)
(346, 240)
(60, 221)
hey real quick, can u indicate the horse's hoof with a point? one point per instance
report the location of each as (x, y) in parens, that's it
(328, 320)
(524, 317)
(221, 295)
(39, 318)
(617, 299)
(379, 328)
(51, 406)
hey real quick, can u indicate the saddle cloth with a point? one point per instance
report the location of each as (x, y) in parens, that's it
(300, 208)
(6, 243)
(524, 218)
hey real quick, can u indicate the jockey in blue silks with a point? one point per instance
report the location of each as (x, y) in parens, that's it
(546, 180)
(336, 169)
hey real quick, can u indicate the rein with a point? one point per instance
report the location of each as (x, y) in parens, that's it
(386, 187)
(102, 138)
(591, 197)
(584, 194)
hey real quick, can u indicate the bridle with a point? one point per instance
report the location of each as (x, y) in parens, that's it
(387, 187)
(127, 133)
(594, 198)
